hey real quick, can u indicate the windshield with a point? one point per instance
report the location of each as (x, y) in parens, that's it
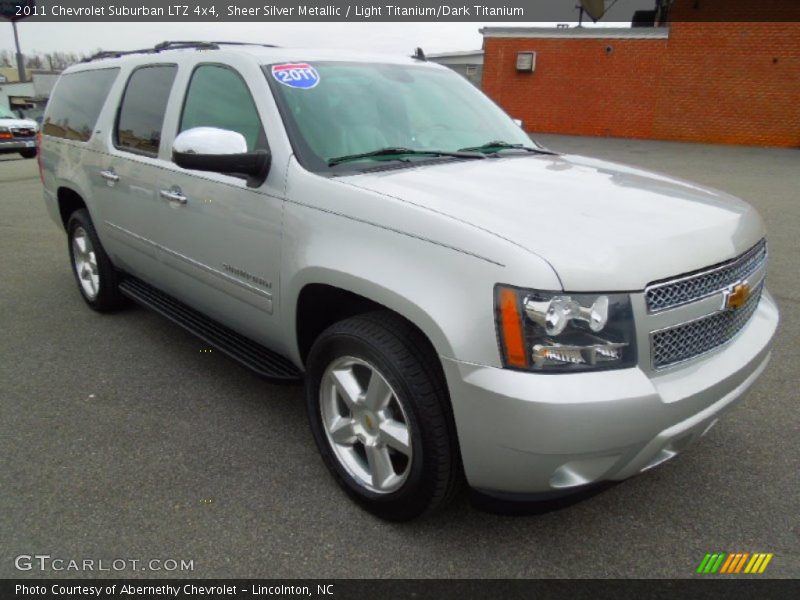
(341, 109)
(6, 114)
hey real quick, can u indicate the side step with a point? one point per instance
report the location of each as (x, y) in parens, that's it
(251, 354)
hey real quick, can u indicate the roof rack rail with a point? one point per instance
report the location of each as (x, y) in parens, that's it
(171, 45)
(244, 44)
(181, 44)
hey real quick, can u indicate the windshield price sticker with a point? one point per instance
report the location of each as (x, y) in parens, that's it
(296, 75)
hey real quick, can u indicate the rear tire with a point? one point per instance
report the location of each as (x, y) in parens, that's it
(380, 415)
(28, 153)
(98, 281)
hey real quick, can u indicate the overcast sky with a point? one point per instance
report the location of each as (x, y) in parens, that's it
(373, 36)
(389, 37)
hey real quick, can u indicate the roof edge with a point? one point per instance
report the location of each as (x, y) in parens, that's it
(576, 32)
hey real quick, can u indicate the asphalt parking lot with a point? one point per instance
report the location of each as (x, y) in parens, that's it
(119, 438)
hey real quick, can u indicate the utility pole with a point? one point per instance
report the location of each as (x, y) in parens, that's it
(10, 11)
(20, 58)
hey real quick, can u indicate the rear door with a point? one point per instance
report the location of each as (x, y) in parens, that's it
(221, 239)
(72, 150)
(129, 173)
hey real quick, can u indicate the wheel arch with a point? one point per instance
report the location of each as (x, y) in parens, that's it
(68, 202)
(323, 298)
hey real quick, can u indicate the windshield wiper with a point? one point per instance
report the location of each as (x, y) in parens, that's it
(399, 151)
(490, 147)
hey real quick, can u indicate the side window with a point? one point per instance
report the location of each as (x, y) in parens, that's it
(218, 97)
(76, 103)
(141, 113)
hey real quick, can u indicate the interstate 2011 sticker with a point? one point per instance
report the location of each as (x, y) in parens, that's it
(296, 75)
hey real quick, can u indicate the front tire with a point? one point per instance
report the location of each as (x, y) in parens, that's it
(28, 153)
(380, 415)
(96, 277)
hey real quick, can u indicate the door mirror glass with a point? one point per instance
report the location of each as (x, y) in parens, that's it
(220, 151)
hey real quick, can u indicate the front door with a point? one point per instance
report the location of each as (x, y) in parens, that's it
(220, 238)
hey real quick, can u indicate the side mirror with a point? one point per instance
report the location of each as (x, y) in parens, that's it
(220, 151)
(518, 123)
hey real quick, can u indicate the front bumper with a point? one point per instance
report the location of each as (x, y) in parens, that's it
(17, 144)
(532, 433)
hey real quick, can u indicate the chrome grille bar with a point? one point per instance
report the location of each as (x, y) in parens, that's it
(693, 286)
(695, 338)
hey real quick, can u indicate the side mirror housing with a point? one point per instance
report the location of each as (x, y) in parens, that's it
(518, 123)
(220, 151)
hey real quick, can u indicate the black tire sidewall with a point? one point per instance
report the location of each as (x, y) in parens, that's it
(418, 489)
(107, 297)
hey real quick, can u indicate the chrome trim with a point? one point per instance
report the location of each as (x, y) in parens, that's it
(742, 258)
(758, 290)
(197, 264)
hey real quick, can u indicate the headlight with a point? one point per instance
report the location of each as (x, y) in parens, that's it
(558, 331)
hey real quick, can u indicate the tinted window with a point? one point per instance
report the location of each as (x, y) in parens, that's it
(141, 114)
(76, 103)
(218, 97)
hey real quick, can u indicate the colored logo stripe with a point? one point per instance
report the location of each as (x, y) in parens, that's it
(711, 563)
(290, 66)
(758, 563)
(735, 562)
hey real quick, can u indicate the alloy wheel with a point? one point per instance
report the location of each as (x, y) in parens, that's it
(84, 262)
(366, 424)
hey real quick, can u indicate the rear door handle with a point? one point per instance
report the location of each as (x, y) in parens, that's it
(110, 176)
(174, 195)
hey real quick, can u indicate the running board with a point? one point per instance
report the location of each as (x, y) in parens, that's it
(244, 350)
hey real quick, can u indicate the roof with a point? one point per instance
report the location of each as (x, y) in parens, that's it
(577, 32)
(263, 54)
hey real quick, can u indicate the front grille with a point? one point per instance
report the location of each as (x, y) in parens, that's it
(693, 286)
(689, 340)
(23, 133)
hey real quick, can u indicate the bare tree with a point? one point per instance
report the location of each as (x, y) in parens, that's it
(58, 61)
(33, 61)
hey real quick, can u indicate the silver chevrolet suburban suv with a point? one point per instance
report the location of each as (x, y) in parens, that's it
(461, 302)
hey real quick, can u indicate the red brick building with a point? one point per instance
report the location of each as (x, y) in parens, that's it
(735, 82)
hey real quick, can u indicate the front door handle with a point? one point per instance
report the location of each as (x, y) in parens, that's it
(110, 176)
(174, 195)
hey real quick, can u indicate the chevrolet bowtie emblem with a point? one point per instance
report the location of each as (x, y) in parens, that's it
(736, 295)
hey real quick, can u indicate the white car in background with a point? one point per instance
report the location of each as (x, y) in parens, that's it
(17, 135)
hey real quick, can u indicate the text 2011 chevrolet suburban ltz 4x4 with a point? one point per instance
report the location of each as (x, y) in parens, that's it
(462, 302)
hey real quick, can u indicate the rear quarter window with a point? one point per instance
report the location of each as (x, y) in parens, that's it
(76, 103)
(141, 114)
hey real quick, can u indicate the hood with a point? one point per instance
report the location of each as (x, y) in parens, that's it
(19, 124)
(602, 226)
